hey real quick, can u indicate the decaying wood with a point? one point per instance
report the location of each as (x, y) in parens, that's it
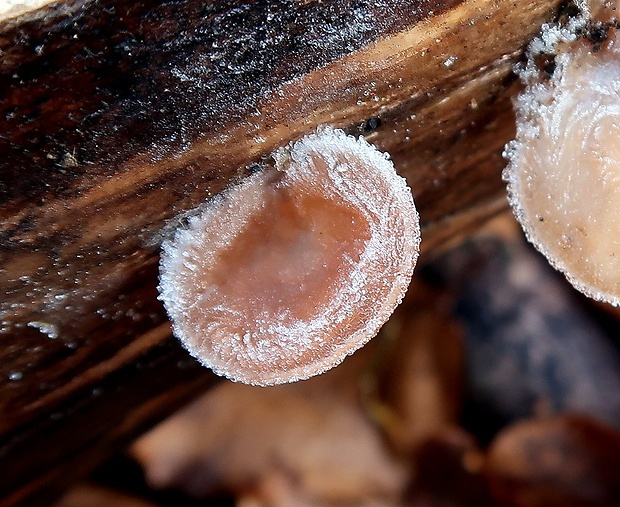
(117, 118)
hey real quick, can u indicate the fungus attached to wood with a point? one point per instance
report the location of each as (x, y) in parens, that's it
(282, 276)
(564, 170)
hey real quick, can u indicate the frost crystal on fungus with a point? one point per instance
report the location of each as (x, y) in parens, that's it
(282, 276)
(564, 165)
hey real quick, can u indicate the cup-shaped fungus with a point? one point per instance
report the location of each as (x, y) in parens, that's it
(282, 276)
(564, 165)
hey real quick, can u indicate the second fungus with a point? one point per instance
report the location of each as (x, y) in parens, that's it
(282, 276)
(564, 170)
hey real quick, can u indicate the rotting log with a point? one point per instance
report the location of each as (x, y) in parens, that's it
(117, 118)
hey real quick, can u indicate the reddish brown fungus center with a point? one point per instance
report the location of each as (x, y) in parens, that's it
(294, 249)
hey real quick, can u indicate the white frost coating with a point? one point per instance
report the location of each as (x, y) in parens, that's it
(47, 328)
(13, 8)
(284, 275)
(564, 165)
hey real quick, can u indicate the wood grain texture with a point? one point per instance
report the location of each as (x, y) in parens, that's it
(118, 118)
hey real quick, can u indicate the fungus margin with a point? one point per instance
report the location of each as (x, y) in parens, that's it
(264, 318)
